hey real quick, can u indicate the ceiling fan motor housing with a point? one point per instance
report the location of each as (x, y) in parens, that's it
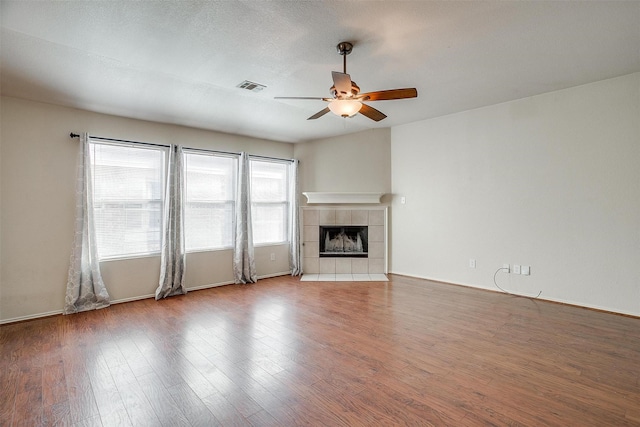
(355, 90)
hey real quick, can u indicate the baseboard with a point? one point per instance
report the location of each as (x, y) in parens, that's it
(268, 276)
(136, 298)
(30, 317)
(231, 282)
(209, 286)
(541, 298)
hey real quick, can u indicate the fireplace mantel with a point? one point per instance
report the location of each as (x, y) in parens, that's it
(343, 198)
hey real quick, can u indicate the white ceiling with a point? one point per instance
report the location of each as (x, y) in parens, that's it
(180, 61)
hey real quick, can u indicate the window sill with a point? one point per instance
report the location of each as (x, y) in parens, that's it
(263, 245)
(128, 257)
(199, 251)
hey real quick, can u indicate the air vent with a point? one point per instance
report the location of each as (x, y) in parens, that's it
(252, 86)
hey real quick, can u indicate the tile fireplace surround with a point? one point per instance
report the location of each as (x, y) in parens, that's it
(374, 267)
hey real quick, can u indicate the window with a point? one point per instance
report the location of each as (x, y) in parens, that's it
(269, 201)
(209, 201)
(128, 185)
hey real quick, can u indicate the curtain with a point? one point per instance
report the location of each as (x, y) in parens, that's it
(85, 287)
(244, 263)
(172, 258)
(294, 221)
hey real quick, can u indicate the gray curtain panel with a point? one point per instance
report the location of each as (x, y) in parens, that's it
(85, 287)
(294, 221)
(172, 258)
(244, 263)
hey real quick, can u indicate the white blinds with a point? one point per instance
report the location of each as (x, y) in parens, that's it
(269, 201)
(128, 196)
(209, 201)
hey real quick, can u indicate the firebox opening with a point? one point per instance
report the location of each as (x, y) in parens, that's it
(344, 241)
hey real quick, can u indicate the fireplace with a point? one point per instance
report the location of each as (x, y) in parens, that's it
(318, 220)
(343, 241)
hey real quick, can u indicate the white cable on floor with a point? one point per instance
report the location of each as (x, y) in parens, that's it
(510, 293)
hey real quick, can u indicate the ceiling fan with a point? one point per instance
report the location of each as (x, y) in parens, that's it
(347, 99)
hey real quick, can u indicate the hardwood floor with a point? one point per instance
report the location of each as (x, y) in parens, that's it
(283, 352)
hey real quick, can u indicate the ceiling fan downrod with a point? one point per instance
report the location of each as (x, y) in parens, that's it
(344, 49)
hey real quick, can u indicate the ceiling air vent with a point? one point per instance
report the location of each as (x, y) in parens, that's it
(252, 86)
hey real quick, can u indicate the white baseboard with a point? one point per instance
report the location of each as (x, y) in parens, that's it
(136, 298)
(231, 282)
(541, 298)
(211, 285)
(30, 317)
(268, 276)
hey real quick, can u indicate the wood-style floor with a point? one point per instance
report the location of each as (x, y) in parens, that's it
(283, 352)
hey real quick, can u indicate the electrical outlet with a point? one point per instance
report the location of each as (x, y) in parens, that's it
(403, 200)
(273, 256)
(472, 263)
(516, 269)
(526, 270)
(506, 268)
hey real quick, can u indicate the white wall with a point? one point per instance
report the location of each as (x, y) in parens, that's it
(551, 181)
(37, 187)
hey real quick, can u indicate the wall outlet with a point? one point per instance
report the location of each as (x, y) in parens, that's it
(403, 200)
(516, 269)
(506, 268)
(526, 270)
(472, 263)
(273, 256)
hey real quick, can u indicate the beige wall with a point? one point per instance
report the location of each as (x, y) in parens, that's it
(551, 181)
(359, 162)
(37, 170)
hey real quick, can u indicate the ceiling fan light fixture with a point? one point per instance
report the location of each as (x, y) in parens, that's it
(345, 107)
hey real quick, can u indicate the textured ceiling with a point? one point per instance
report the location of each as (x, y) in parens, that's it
(180, 61)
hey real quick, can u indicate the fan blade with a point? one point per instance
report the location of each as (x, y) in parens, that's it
(319, 114)
(371, 112)
(301, 97)
(342, 83)
(384, 95)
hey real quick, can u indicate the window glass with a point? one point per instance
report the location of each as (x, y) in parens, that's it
(128, 187)
(209, 201)
(269, 201)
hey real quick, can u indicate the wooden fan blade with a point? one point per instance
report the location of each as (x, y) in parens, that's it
(319, 114)
(371, 112)
(342, 83)
(384, 95)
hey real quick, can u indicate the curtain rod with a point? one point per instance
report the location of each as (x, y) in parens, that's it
(75, 135)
